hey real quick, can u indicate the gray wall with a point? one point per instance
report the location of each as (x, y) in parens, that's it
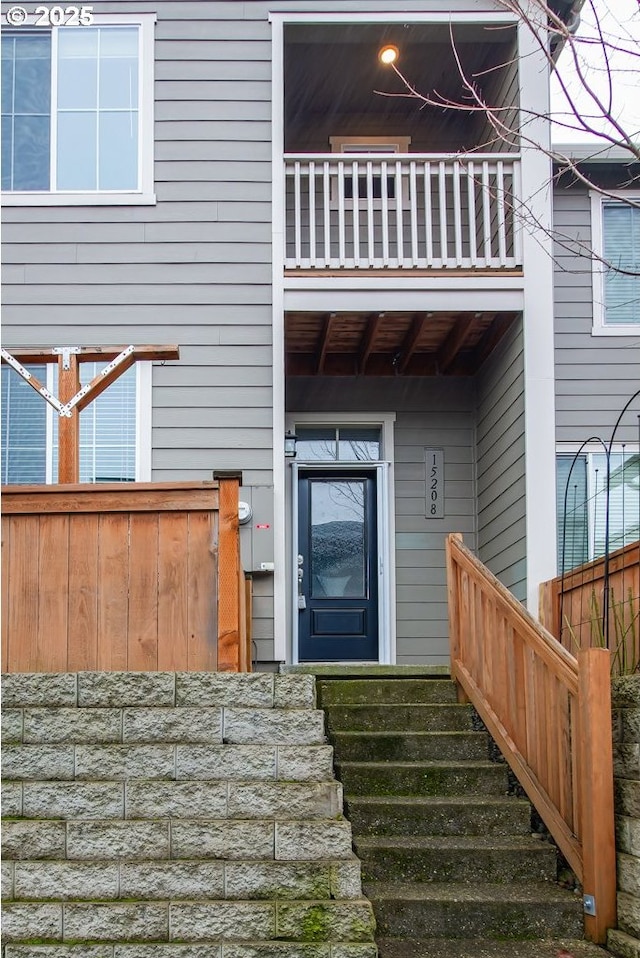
(429, 412)
(500, 451)
(595, 375)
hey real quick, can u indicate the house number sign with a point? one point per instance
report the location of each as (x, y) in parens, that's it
(434, 465)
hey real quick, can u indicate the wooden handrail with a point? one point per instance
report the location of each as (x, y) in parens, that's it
(550, 715)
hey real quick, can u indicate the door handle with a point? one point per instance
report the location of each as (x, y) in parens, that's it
(302, 602)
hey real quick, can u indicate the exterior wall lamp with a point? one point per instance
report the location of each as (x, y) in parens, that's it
(388, 54)
(290, 442)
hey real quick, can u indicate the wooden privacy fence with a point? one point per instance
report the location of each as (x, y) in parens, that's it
(123, 576)
(571, 607)
(550, 715)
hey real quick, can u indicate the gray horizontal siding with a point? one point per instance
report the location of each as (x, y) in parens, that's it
(595, 375)
(429, 412)
(501, 463)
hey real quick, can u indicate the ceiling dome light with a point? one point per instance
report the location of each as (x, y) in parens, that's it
(388, 54)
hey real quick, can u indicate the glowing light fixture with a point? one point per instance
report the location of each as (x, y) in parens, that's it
(388, 54)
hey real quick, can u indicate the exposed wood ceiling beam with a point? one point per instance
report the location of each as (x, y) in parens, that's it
(324, 342)
(410, 342)
(454, 341)
(373, 324)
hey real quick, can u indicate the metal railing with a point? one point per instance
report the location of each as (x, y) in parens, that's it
(390, 211)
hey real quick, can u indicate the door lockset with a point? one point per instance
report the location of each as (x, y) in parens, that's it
(302, 602)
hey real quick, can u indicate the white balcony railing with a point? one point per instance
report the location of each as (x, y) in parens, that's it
(377, 211)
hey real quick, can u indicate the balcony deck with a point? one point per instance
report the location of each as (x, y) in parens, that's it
(413, 212)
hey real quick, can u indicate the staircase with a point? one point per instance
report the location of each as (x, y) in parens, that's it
(449, 861)
(174, 815)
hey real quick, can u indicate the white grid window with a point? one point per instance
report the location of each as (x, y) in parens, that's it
(77, 116)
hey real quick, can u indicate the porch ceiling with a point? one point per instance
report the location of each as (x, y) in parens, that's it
(391, 344)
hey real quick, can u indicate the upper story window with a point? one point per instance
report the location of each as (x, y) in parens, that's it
(616, 280)
(77, 113)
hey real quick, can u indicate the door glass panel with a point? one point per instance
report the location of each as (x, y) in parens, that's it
(338, 549)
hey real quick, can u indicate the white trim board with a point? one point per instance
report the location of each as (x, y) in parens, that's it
(599, 326)
(280, 617)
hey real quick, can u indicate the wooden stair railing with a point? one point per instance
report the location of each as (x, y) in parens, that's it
(550, 715)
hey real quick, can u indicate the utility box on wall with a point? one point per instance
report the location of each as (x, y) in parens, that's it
(256, 535)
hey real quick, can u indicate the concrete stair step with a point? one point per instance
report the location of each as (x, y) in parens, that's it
(519, 911)
(409, 746)
(207, 922)
(463, 859)
(622, 944)
(403, 718)
(66, 762)
(478, 948)
(385, 691)
(110, 880)
(435, 815)
(422, 778)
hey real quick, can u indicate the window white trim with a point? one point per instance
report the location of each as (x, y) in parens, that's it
(384, 470)
(144, 385)
(600, 327)
(144, 196)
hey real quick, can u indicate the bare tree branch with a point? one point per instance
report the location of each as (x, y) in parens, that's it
(508, 124)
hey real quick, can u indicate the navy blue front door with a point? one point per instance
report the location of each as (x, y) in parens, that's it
(338, 550)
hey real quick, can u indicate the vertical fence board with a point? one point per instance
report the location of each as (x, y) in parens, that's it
(6, 548)
(202, 640)
(173, 537)
(598, 816)
(52, 598)
(23, 607)
(228, 583)
(113, 597)
(82, 648)
(143, 610)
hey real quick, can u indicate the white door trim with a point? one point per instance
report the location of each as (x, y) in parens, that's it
(385, 517)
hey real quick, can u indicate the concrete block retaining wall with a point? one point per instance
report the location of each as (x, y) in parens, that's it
(625, 941)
